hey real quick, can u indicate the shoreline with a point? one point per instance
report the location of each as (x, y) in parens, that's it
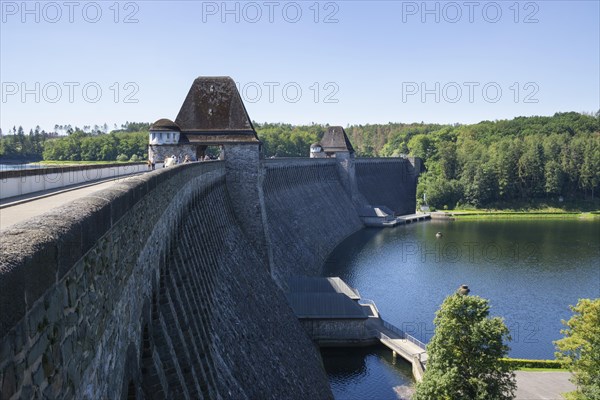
(532, 215)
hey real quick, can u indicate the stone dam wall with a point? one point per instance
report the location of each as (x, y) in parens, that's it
(153, 289)
(390, 182)
(308, 214)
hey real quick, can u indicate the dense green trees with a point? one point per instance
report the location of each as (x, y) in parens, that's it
(391, 140)
(489, 164)
(464, 354)
(524, 159)
(87, 144)
(90, 143)
(580, 349)
(18, 145)
(80, 146)
(285, 140)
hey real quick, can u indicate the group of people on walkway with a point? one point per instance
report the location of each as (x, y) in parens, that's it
(173, 160)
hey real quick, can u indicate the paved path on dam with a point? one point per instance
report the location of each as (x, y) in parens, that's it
(542, 385)
(20, 212)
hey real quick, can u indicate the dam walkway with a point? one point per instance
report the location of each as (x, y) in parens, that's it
(383, 220)
(401, 343)
(409, 348)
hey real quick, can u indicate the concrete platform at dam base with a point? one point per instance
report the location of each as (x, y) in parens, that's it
(334, 315)
(392, 221)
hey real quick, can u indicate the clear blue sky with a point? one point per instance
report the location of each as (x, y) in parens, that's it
(373, 58)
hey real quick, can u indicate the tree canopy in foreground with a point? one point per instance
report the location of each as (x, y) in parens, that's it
(464, 354)
(580, 349)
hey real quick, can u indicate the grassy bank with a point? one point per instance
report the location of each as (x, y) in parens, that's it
(569, 207)
(541, 369)
(469, 215)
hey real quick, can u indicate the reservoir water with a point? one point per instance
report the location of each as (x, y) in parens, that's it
(530, 270)
(10, 167)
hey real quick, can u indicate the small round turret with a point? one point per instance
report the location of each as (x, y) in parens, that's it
(164, 124)
(164, 131)
(316, 150)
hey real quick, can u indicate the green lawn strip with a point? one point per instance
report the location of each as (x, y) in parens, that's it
(541, 369)
(534, 214)
(525, 215)
(522, 364)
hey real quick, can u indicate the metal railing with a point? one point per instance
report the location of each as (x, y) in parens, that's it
(403, 335)
(408, 356)
(383, 337)
(371, 303)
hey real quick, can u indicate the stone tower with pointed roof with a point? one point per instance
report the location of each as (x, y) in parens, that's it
(334, 142)
(213, 114)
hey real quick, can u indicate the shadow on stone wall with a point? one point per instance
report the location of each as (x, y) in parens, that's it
(388, 182)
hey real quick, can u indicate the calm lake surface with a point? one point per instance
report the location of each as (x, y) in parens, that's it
(10, 167)
(531, 271)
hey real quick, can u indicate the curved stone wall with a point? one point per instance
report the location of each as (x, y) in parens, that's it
(228, 325)
(308, 214)
(150, 289)
(73, 284)
(159, 286)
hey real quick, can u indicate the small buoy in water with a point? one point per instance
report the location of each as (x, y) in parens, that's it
(439, 235)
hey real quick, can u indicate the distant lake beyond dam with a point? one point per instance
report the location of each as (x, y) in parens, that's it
(9, 167)
(530, 270)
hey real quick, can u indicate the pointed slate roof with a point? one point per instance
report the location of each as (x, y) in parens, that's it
(335, 139)
(213, 113)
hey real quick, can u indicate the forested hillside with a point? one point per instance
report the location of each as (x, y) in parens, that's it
(489, 164)
(523, 160)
